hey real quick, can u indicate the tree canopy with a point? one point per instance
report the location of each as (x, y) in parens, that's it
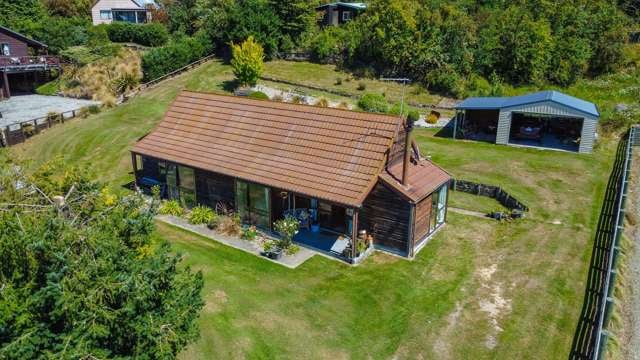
(82, 276)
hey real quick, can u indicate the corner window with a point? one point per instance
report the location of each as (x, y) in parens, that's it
(6, 51)
(105, 14)
(346, 15)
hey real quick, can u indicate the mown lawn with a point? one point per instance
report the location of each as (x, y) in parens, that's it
(479, 289)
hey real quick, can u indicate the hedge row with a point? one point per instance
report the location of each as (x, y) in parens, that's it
(178, 53)
(152, 34)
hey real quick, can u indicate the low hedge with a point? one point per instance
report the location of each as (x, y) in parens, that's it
(152, 34)
(178, 53)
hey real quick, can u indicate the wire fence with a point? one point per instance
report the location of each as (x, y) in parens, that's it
(591, 335)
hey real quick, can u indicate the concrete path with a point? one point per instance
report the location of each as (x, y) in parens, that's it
(251, 247)
(21, 108)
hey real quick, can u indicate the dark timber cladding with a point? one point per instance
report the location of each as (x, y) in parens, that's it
(387, 216)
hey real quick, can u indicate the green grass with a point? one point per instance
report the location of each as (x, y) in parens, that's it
(473, 202)
(50, 88)
(531, 272)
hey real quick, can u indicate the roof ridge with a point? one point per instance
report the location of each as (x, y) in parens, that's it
(303, 106)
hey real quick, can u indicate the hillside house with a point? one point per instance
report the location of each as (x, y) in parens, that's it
(24, 63)
(351, 172)
(546, 119)
(338, 13)
(131, 11)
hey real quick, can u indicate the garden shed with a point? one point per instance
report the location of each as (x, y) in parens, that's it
(546, 119)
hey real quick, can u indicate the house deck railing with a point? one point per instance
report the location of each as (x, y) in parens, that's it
(8, 63)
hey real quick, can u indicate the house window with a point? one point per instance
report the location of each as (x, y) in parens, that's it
(105, 14)
(6, 51)
(439, 207)
(187, 186)
(346, 15)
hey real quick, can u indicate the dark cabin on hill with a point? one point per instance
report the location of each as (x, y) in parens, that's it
(338, 13)
(23, 62)
(349, 171)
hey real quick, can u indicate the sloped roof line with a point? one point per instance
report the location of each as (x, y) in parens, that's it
(23, 37)
(496, 103)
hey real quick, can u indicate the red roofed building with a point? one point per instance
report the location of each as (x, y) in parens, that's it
(346, 172)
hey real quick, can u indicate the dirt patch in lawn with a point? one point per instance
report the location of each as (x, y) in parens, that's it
(215, 301)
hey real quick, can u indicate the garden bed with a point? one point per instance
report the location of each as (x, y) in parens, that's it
(254, 247)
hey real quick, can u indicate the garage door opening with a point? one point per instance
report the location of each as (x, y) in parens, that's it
(480, 125)
(548, 131)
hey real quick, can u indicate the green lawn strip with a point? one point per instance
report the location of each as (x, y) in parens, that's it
(323, 307)
(466, 201)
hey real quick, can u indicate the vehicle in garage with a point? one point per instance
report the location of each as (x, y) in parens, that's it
(546, 119)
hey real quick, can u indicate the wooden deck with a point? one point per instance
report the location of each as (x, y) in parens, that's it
(11, 64)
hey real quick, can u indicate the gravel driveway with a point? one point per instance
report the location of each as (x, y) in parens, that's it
(21, 108)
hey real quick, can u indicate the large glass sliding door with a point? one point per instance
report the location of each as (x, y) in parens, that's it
(181, 184)
(253, 203)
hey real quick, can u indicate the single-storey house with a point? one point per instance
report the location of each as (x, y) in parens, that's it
(337, 13)
(352, 172)
(546, 119)
(24, 62)
(132, 11)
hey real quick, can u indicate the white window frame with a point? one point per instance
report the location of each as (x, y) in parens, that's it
(347, 17)
(5, 49)
(106, 15)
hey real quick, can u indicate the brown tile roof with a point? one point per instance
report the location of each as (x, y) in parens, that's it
(326, 153)
(424, 178)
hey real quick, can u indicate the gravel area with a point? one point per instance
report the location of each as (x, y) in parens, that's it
(288, 96)
(21, 108)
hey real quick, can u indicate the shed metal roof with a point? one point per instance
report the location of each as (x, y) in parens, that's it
(496, 103)
(330, 154)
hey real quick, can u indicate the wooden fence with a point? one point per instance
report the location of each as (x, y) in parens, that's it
(591, 335)
(162, 78)
(17, 133)
(494, 192)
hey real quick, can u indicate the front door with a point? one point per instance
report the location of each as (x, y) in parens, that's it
(252, 203)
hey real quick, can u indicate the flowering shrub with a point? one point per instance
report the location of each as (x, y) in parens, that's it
(287, 228)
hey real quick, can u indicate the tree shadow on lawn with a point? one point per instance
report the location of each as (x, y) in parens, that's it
(586, 334)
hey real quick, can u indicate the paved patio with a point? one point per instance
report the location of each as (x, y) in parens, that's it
(21, 108)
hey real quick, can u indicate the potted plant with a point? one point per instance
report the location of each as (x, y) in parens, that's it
(287, 228)
(272, 251)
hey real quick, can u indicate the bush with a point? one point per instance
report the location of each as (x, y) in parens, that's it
(413, 116)
(287, 228)
(152, 34)
(50, 88)
(230, 224)
(171, 207)
(249, 233)
(161, 61)
(93, 109)
(373, 103)
(322, 102)
(258, 95)
(362, 86)
(339, 81)
(201, 215)
(247, 61)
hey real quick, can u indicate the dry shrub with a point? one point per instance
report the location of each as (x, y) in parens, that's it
(322, 102)
(230, 225)
(104, 79)
(343, 105)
